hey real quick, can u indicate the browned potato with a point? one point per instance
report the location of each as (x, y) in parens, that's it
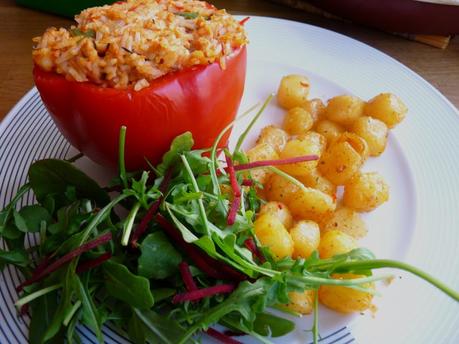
(335, 242)
(386, 107)
(316, 181)
(277, 188)
(293, 91)
(344, 158)
(279, 210)
(295, 148)
(315, 107)
(344, 299)
(345, 220)
(302, 303)
(297, 121)
(306, 238)
(311, 204)
(374, 132)
(330, 130)
(261, 152)
(314, 139)
(273, 136)
(272, 233)
(344, 109)
(365, 192)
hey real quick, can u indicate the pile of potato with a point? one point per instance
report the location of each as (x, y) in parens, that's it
(297, 221)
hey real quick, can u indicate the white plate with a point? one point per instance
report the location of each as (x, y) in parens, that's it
(418, 224)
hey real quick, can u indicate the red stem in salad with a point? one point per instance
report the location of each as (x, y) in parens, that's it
(187, 277)
(265, 163)
(221, 337)
(245, 20)
(206, 264)
(104, 238)
(142, 226)
(235, 204)
(204, 292)
(232, 177)
(247, 182)
(252, 247)
(92, 263)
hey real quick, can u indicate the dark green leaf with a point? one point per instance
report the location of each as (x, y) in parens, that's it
(19, 222)
(267, 324)
(31, 217)
(159, 259)
(16, 258)
(159, 329)
(136, 330)
(125, 286)
(90, 314)
(43, 310)
(181, 144)
(162, 293)
(54, 177)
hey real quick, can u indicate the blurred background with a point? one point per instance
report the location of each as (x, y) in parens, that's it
(420, 34)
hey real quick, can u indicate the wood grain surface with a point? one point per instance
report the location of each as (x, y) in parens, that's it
(18, 25)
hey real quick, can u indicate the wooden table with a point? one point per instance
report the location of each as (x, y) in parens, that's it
(18, 26)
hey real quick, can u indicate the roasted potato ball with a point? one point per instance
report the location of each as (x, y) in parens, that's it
(260, 152)
(279, 210)
(311, 204)
(345, 220)
(293, 91)
(297, 121)
(306, 238)
(344, 109)
(301, 302)
(277, 188)
(315, 107)
(373, 131)
(386, 107)
(335, 242)
(295, 148)
(272, 234)
(273, 136)
(330, 130)
(365, 192)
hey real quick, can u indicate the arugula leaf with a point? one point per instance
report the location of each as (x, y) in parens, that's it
(159, 258)
(125, 286)
(159, 329)
(136, 330)
(30, 217)
(54, 177)
(90, 313)
(267, 324)
(181, 144)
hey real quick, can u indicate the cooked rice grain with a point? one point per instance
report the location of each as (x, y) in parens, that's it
(129, 44)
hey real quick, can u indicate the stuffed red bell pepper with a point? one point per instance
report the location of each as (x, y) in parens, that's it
(158, 67)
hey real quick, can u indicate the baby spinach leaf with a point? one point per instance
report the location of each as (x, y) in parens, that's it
(159, 329)
(267, 324)
(16, 257)
(29, 218)
(126, 286)
(181, 144)
(54, 177)
(159, 259)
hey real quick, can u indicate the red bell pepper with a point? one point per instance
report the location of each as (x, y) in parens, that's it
(201, 99)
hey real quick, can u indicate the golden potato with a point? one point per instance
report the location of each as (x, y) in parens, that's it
(306, 238)
(373, 131)
(315, 140)
(273, 136)
(293, 91)
(260, 152)
(330, 130)
(386, 107)
(345, 220)
(335, 242)
(316, 181)
(344, 109)
(297, 121)
(278, 188)
(344, 299)
(295, 148)
(311, 204)
(344, 158)
(302, 303)
(272, 233)
(315, 107)
(365, 192)
(279, 210)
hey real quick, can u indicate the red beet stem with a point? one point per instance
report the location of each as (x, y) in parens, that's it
(187, 277)
(206, 264)
(204, 292)
(232, 177)
(278, 162)
(250, 244)
(230, 333)
(221, 337)
(142, 226)
(245, 20)
(247, 182)
(104, 238)
(91, 264)
(235, 204)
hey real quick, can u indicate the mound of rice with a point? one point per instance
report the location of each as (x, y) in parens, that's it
(128, 44)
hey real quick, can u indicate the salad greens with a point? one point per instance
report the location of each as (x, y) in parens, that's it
(170, 269)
